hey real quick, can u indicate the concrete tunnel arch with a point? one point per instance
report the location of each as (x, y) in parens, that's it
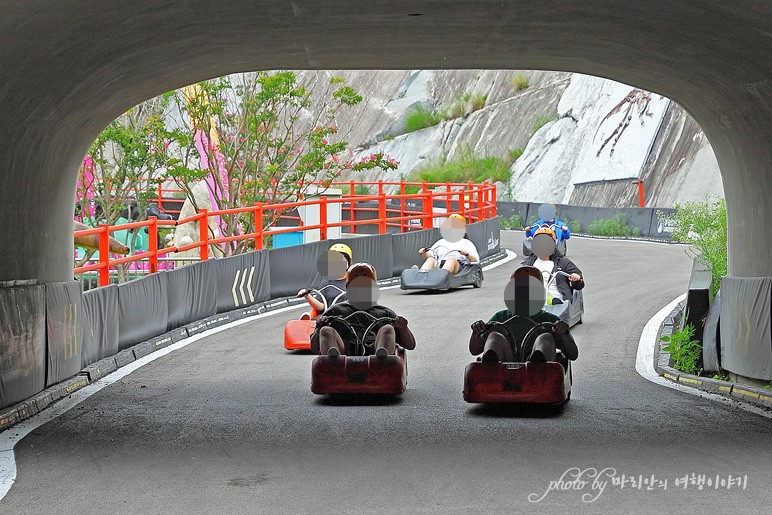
(68, 71)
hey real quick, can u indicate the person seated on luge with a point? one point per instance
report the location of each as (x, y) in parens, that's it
(454, 250)
(554, 222)
(496, 345)
(560, 288)
(330, 288)
(362, 291)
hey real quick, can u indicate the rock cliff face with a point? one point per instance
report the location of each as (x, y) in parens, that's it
(599, 138)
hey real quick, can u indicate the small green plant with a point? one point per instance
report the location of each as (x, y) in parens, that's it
(723, 376)
(769, 386)
(420, 118)
(575, 226)
(616, 226)
(703, 227)
(532, 219)
(477, 102)
(518, 81)
(539, 122)
(515, 153)
(515, 221)
(636, 231)
(685, 351)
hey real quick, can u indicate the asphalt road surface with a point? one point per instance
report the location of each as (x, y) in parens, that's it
(228, 424)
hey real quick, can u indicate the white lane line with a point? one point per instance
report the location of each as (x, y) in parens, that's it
(644, 363)
(10, 437)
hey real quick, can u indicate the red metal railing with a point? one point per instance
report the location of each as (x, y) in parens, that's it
(475, 201)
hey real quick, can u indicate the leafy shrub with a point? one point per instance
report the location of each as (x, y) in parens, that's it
(616, 226)
(420, 118)
(539, 122)
(518, 81)
(575, 226)
(685, 351)
(703, 226)
(362, 189)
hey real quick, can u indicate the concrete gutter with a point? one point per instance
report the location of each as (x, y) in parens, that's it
(663, 364)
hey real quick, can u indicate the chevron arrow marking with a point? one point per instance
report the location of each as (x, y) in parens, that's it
(241, 287)
(249, 285)
(233, 290)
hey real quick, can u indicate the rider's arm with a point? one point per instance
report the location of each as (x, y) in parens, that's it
(476, 343)
(405, 338)
(314, 302)
(570, 268)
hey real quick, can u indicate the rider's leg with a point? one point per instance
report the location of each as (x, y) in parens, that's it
(387, 339)
(543, 348)
(451, 265)
(498, 344)
(429, 264)
(329, 337)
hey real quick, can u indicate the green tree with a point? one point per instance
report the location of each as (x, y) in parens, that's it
(263, 137)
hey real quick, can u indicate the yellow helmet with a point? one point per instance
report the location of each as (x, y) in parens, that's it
(460, 217)
(343, 249)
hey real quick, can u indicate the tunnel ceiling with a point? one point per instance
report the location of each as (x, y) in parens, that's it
(70, 68)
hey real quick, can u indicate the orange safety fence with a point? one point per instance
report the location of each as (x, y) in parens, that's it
(475, 201)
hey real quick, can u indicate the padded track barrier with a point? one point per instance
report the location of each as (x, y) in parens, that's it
(22, 342)
(100, 324)
(486, 236)
(191, 294)
(241, 280)
(293, 268)
(64, 328)
(711, 337)
(404, 248)
(746, 336)
(375, 250)
(142, 309)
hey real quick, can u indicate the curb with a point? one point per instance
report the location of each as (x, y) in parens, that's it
(760, 397)
(33, 405)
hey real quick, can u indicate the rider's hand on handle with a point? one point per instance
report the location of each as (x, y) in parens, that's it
(422, 250)
(479, 327)
(560, 327)
(399, 323)
(564, 228)
(304, 292)
(574, 277)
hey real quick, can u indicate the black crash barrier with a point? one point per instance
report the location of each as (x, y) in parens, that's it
(242, 280)
(486, 236)
(22, 342)
(142, 309)
(404, 248)
(375, 250)
(100, 324)
(190, 294)
(64, 330)
(293, 268)
(711, 337)
(645, 219)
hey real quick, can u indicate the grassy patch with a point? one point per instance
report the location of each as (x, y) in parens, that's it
(616, 226)
(515, 153)
(464, 169)
(575, 226)
(518, 81)
(420, 118)
(477, 102)
(513, 222)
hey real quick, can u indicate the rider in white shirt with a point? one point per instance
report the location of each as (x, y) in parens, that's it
(451, 255)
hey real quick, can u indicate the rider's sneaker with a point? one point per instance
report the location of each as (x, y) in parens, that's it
(381, 352)
(490, 356)
(333, 352)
